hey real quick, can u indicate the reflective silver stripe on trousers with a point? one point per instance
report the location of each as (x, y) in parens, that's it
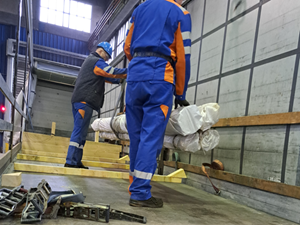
(187, 50)
(131, 173)
(186, 35)
(142, 175)
(72, 143)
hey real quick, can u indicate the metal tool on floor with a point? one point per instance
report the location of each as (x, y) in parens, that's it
(36, 203)
(216, 165)
(54, 212)
(97, 212)
(10, 199)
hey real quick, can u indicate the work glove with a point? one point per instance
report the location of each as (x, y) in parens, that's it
(181, 103)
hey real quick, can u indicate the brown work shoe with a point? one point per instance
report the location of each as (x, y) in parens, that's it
(151, 203)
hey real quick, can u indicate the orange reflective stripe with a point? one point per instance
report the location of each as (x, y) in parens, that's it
(186, 12)
(101, 72)
(164, 109)
(180, 64)
(169, 73)
(82, 112)
(128, 43)
(83, 102)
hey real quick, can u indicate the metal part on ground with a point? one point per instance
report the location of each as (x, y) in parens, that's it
(119, 215)
(54, 212)
(10, 199)
(99, 213)
(36, 203)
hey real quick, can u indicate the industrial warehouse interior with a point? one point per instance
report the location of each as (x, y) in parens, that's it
(150, 112)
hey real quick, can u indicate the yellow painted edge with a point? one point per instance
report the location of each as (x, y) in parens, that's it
(64, 155)
(178, 174)
(85, 173)
(62, 161)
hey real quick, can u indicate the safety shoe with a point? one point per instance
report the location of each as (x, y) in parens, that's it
(69, 165)
(151, 203)
(82, 167)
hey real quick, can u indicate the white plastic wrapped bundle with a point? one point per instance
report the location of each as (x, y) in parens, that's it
(209, 140)
(189, 143)
(120, 125)
(102, 125)
(209, 115)
(112, 136)
(184, 121)
(168, 142)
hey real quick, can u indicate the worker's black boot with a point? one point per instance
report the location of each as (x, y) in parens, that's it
(151, 203)
(69, 165)
(82, 167)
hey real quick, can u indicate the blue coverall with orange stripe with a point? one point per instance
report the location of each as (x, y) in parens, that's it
(162, 27)
(83, 106)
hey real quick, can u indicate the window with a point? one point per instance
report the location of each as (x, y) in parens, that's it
(67, 13)
(112, 43)
(121, 37)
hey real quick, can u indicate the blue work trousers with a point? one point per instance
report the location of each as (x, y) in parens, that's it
(82, 114)
(148, 108)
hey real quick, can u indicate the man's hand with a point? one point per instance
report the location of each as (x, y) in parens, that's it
(181, 103)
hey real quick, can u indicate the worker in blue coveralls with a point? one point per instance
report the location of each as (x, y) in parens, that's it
(88, 95)
(158, 46)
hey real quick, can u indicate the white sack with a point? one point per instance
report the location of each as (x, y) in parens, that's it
(209, 115)
(120, 125)
(102, 125)
(209, 140)
(112, 136)
(189, 143)
(168, 142)
(184, 121)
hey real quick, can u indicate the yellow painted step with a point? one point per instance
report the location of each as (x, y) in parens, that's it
(63, 160)
(86, 173)
(64, 155)
(34, 141)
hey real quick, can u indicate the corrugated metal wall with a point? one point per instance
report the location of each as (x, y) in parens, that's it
(40, 38)
(58, 42)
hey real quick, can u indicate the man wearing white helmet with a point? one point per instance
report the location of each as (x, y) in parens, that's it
(88, 95)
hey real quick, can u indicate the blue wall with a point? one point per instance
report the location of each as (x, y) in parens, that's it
(40, 38)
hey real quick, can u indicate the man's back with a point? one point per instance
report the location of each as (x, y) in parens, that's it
(156, 23)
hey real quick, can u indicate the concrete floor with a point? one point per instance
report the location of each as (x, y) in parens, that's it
(182, 204)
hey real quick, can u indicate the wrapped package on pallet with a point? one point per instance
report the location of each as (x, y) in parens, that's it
(189, 143)
(112, 136)
(119, 124)
(103, 124)
(209, 115)
(184, 121)
(209, 140)
(168, 141)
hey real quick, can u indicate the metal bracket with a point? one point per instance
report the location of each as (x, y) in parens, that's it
(36, 203)
(10, 199)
